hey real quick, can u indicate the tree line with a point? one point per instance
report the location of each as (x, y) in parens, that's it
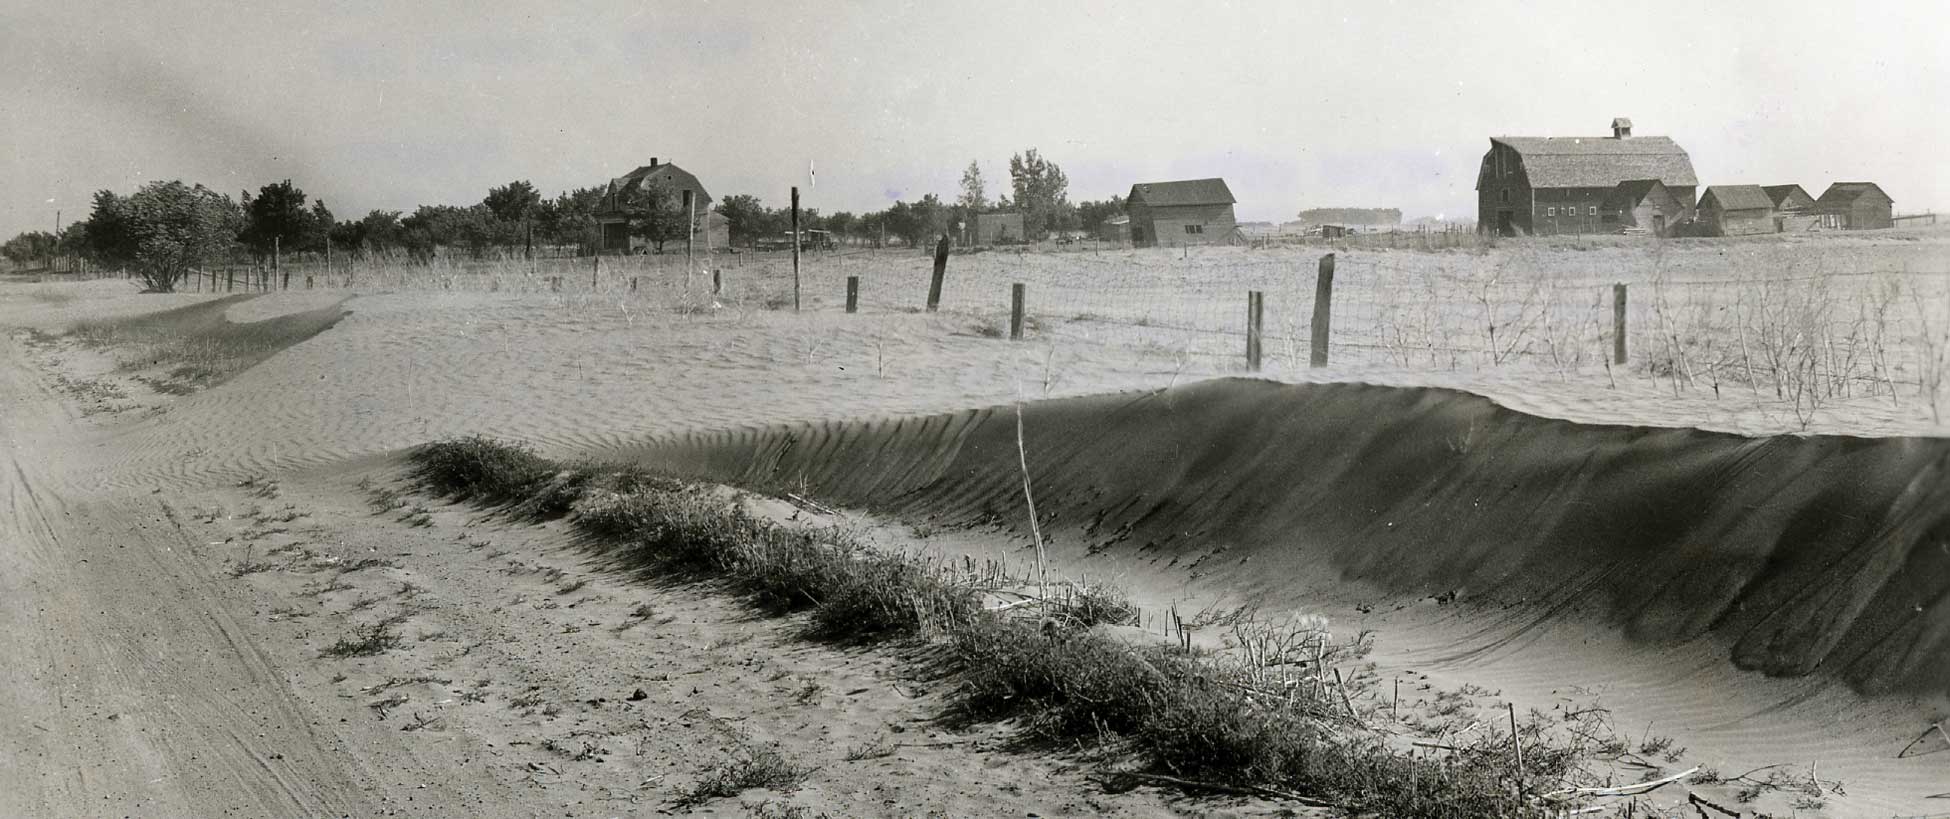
(164, 230)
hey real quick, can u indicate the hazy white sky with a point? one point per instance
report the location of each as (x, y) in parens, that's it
(396, 104)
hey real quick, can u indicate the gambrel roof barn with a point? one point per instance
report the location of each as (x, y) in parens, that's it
(1542, 185)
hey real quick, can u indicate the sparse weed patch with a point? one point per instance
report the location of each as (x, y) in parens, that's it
(364, 641)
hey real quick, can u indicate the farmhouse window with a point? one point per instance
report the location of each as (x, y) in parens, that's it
(1550, 211)
(1506, 196)
(1194, 228)
(1592, 212)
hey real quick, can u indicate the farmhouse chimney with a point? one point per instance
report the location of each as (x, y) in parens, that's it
(1621, 128)
(653, 162)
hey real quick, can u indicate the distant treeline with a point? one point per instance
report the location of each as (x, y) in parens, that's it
(1351, 216)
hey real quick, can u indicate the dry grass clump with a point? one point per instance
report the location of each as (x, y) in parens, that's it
(1182, 716)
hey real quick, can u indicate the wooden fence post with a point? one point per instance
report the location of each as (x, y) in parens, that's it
(595, 269)
(1618, 323)
(277, 261)
(633, 284)
(690, 239)
(940, 273)
(795, 248)
(1255, 327)
(1015, 311)
(1323, 311)
(853, 294)
(229, 280)
(717, 282)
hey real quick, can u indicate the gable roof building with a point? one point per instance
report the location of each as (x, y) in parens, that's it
(1542, 185)
(1856, 206)
(1641, 204)
(610, 212)
(1789, 197)
(1736, 210)
(1190, 211)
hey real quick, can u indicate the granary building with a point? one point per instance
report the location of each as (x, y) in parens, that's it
(1551, 185)
(615, 222)
(999, 228)
(1116, 229)
(1736, 210)
(1855, 206)
(1190, 212)
(1641, 205)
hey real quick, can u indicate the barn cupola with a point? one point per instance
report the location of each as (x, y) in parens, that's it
(1621, 128)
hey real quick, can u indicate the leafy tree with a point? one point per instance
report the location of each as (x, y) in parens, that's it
(513, 202)
(173, 228)
(654, 212)
(318, 227)
(920, 222)
(1042, 192)
(29, 248)
(745, 216)
(277, 217)
(841, 223)
(378, 232)
(435, 226)
(570, 218)
(1090, 216)
(105, 236)
(974, 195)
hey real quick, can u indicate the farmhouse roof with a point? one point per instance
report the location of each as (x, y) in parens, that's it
(1845, 193)
(1737, 197)
(1779, 194)
(1600, 162)
(668, 174)
(1184, 192)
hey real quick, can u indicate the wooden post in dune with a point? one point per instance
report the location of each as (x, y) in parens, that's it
(633, 284)
(853, 294)
(1323, 311)
(1255, 328)
(690, 238)
(1618, 323)
(795, 248)
(596, 269)
(1015, 311)
(940, 273)
(277, 262)
(717, 282)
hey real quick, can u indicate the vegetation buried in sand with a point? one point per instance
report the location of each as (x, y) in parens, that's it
(195, 347)
(1209, 721)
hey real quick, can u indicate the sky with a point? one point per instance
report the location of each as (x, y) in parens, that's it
(391, 105)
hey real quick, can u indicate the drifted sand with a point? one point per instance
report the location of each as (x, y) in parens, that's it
(1668, 571)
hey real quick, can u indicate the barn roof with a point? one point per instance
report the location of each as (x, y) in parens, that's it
(1184, 192)
(1600, 162)
(1779, 194)
(1737, 197)
(1631, 192)
(1845, 193)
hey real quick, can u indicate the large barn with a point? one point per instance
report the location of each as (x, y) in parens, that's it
(1736, 210)
(616, 224)
(1188, 212)
(1855, 206)
(1552, 185)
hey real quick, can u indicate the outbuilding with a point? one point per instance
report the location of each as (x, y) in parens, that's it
(1641, 205)
(1855, 206)
(1186, 212)
(1736, 210)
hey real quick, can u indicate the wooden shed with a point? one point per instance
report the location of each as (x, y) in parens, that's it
(1116, 229)
(1794, 209)
(1189, 212)
(1855, 206)
(999, 228)
(1736, 210)
(1641, 205)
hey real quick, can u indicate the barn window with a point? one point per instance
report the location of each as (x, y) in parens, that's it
(1194, 228)
(1506, 196)
(1592, 212)
(1550, 211)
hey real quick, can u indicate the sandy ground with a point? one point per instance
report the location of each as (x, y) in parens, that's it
(158, 684)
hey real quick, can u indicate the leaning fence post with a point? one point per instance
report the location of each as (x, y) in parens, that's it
(1323, 311)
(1015, 311)
(1618, 323)
(717, 282)
(853, 294)
(1255, 327)
(795, 248)
(940, 272)
(595, 270)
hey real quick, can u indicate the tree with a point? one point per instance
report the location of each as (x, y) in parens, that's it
(1042, 192)
(841, 223)
(513, 202)
(176, 227)
(318, 227)
(919, 222)
(974, 196)
(744, 215)
(1090, 216)
(29, 248)
(106, 239)
(276, 218)
(654, 213)
(570, 219)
